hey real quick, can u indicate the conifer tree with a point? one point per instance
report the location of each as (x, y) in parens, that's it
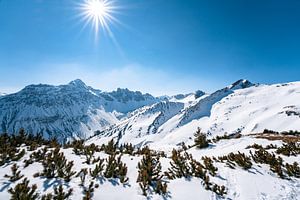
(110, 148)
(89, 152)
(115, 168)
(179, 166)
(22, 191)
(264, 157)
(200, 139)
(150, 175)
(219, 190)
(16, 174)
(289, 149)
(293, 169)
(196, 168)
(239, 158)
(82, 174)
(55, 165)
(88, 192)
(97, 172)
(208, 163)
(60, 194)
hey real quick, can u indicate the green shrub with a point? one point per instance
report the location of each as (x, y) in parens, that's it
(16, 174)
(22, 191)
(200, 139)
(150, 174)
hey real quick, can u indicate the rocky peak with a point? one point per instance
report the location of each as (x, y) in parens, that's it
(240, 84)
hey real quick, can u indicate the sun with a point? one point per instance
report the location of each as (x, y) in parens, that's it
(99, 13)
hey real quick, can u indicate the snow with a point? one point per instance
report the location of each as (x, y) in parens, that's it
(239, 108)
(77, 110)
(67, 111)
(256, 183)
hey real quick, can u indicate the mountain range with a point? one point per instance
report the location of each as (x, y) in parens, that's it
(76, 110)
(67, 111)
(244, 162)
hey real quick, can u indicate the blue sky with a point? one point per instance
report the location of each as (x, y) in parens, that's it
(164, 46)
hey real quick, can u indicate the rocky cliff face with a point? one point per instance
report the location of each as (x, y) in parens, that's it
(74, 110)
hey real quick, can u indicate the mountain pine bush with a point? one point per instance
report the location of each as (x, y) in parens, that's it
(150, 174)
(56, 165)
(293, 169)
(115, 168)
(59, 194)
(179, 166)
(200, 139)
(239, 158)
(110, 148)
(208, 163)
(82, 175)
(16, 174)
(98, 170)
(22, 191)
(289, 149)
(88, 192)
(264, 157)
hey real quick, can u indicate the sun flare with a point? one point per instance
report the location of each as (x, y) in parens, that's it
(99, 13)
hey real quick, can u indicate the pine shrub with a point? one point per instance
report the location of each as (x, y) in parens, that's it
(150, 174)
(179, 166)
(289, 149)
(115, 168)
(264, 157)
(89, 192)
(16, 174)
(56, 165)
(97, 172)
(22, 191)
(293, 169)
(82, 174)
(239, 158)
(208, 163)
(110, 148)
(200, 139)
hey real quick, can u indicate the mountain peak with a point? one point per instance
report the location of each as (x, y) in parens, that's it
(78, 82)
(240, 84)
(199, 93)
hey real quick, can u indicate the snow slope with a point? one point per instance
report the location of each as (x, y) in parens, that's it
(163, 125)
(67, 111)
(241, 107)
(141, 123)
(256, 183)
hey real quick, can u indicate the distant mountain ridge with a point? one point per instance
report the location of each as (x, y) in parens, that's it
(67, 111)
(242, 107)
(168, 115)
(76, 110)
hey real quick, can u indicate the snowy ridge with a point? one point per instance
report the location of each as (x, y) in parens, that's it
(239, 108)
(76, 110)
(142, 122)
(66, 111)
(204, 106)
(2, 94)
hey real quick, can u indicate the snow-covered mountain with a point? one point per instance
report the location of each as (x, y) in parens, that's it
(251, 166)
(67, 111)
(78, 111)
(241, 107)
(2, 94)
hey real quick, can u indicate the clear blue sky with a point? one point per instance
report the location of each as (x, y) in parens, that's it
(164, 46)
